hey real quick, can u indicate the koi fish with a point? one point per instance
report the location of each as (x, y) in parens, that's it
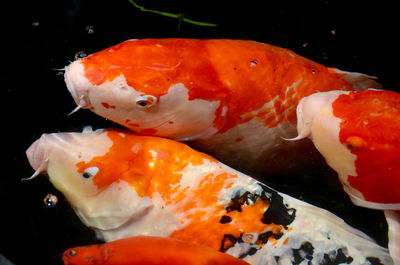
(144, 250)
(122, 185)
(358, 133)
(234, 99)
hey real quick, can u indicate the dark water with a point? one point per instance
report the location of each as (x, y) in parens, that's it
(351, 35)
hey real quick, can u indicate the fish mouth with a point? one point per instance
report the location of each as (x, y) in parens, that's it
(37, 157)
(38, 153)
(74, 79)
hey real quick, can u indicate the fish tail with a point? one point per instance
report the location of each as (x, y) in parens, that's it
(393, 220)
(358, 80)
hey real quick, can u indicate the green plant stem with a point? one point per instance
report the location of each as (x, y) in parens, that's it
(177, 16)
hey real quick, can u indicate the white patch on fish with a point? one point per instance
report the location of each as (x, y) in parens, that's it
(151, 218)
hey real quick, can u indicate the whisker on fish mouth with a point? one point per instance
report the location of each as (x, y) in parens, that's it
(34, 175)
(58, 69)
(80, 106)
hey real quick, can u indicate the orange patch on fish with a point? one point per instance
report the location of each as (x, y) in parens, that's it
(129, 159)
(248, 220)
(370, 127)
(107, 106)
(149, 131)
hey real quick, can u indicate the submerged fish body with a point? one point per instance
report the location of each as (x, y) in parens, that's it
(230, 97)
(142, 250)
(358, 133)
(123, 185)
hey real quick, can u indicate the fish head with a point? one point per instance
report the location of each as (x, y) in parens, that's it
(154, 87)
(84, 255)
(83, 167)
(358, 134)
(316, 120)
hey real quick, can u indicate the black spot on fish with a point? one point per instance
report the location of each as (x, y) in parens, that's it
(235, 203)
(374, 261)
(336, 257)
(264, 237)
(225, 219)
(277, 212)
(238, 200)
(305, 252)
(227, 242)
(250, 252)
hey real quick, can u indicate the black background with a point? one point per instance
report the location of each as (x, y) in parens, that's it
(40, 36)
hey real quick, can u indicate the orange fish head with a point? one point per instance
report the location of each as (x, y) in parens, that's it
(84, 255)
(90, 172)
(358, 134)
(165, 87)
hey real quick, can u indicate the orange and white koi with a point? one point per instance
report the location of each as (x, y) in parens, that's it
(235, 99)
(145, 250)
(359, 135)
(123, 185)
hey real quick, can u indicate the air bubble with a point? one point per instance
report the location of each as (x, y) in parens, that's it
(89, 29)
(50, 200)
(80, 55)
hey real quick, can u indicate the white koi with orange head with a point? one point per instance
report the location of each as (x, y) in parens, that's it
(358, 133)
(124, 185)
(230, 96)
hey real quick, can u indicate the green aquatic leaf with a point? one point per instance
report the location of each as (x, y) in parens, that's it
(180, 17)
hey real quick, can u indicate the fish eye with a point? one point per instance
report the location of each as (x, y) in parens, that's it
(146, 101)
(90, 172)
